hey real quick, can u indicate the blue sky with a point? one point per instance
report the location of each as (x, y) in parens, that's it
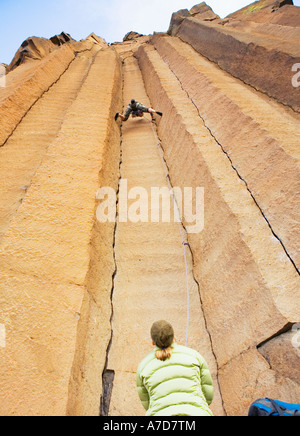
(110, 19)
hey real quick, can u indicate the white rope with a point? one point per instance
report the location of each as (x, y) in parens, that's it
(179, 220)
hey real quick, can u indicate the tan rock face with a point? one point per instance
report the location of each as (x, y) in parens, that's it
(75, 161)
(35, 48)
(265, 144)
(131, 36)
(41, 328)
(281, 349)
(32, 48)
(251, 374)
(176, 20)
(27, 83)
(96, 39)
(150, 267)
(262, 55)
(25, 150)
(232, 265)
(263, 10)
(78, 295)
(203, 12)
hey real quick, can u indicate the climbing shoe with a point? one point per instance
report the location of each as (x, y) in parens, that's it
(159, 113)
(116, 116)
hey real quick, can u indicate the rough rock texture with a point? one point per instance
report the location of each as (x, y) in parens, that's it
(26, 148)
(240, 290)
(97, 39)
(203, 12)
(249, 377)
(27, 83)
(262, 10)
(260, 18)
(53, 267)
(61, 39)
(131, 35)
(200, 11)
(31, 49)
(150, 267)
(263, 58)
(34, 48)
(74, 291)
(176, 20)
(265, 146)
(283, 349)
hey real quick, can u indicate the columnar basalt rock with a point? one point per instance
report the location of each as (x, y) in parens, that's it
(150, 268)
(52, 269)
(255, 57)
(78, 295)
(203, 12)
(264, 146)
(35, 48)
(131, 36)
(25, 84)
(26, 148)
(242, 301)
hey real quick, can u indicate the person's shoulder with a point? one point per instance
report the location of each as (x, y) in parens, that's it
(188, 351)
(146, 361)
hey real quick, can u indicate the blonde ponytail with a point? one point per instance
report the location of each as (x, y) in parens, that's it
(164, 353)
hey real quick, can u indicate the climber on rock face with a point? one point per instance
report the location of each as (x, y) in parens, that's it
(136, 109)
(173, 380)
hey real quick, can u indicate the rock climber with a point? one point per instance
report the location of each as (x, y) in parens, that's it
(173, 380)
(136, 109)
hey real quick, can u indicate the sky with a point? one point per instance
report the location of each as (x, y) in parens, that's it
(110, 19)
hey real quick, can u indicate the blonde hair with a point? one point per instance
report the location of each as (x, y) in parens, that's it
(164, 353)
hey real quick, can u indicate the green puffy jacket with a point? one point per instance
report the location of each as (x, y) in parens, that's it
(181, 385)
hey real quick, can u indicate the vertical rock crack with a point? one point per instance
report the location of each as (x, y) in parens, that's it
(236, 170)
(108, 374)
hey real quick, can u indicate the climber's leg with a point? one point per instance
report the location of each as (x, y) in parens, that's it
(123, 118)
(152, 112)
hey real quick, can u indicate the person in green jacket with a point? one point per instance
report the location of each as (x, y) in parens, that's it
(173, 380)
(136, 109)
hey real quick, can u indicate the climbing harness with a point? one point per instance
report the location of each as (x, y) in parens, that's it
(180, 224)
(137, 113)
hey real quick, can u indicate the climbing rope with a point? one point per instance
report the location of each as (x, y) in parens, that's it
(180, 224)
